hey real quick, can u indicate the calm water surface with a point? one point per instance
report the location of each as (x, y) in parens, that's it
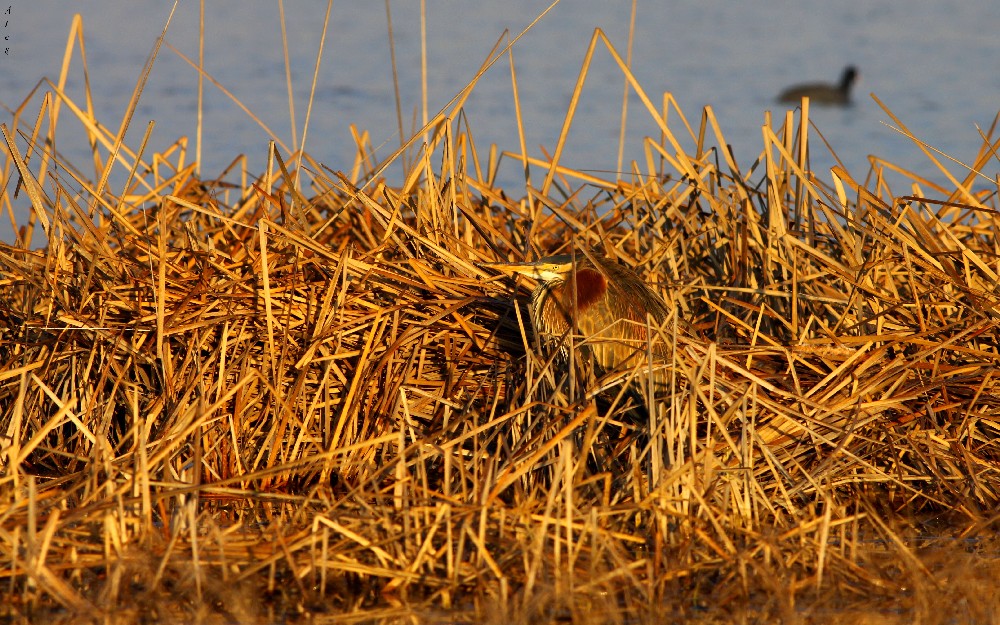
(932, 62)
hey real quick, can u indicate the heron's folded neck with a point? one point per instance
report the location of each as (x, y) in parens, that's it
(591, 286)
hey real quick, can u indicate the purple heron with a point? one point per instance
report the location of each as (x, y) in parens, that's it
(605, 303)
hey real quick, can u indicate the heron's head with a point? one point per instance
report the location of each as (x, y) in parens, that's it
(549, 269)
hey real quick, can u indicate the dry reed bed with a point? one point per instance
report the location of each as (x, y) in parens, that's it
(315, 387)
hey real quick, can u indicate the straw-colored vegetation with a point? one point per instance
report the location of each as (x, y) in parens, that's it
(301, 393)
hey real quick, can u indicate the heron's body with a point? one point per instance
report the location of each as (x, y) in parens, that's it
(823, 93)
(606, 304)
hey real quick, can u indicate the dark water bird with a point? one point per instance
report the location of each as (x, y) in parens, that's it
(606, 303)
(823, 93)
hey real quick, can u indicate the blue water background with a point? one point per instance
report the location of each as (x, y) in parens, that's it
(933, 62)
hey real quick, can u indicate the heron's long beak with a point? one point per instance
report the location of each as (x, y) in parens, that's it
(534, 270)
(524, 268)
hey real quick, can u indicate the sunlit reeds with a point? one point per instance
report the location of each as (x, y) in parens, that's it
(304, 385)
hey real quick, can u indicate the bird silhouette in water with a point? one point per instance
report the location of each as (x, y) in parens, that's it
(823, 93)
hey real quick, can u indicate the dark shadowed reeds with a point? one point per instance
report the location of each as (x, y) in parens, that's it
(301, 392)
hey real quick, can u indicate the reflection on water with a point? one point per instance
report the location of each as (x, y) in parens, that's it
(734, 56)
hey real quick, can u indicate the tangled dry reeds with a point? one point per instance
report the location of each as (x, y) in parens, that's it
(306, 384)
